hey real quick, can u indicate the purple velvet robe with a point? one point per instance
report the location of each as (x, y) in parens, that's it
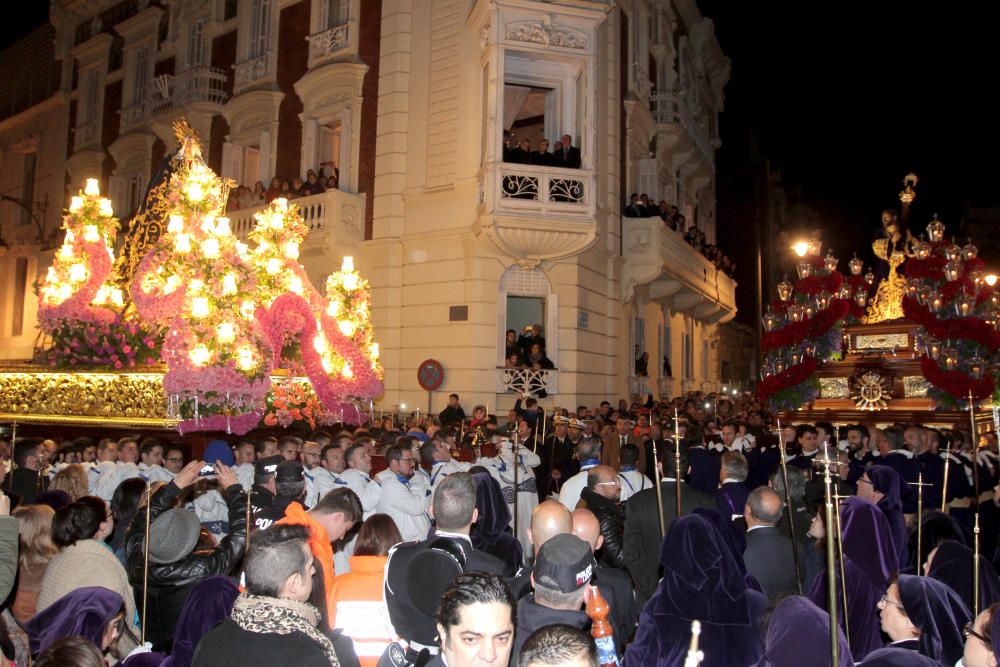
(84, 612)
(890, 484)
(799, 628)
(870, 561)
(939, 614)
(702, 579)
(952, 565)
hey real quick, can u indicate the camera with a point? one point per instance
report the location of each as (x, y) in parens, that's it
(207, 470)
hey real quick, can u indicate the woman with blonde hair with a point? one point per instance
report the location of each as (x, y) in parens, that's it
(73, 480)
(34, 527)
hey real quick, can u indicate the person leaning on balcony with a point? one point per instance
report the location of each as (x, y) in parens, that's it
(666, 215)
(537, 358)
(649, 210)
(258, 194)
(274, 191)
(568, 155)
(521, 154)
(633, 210)
(312, 186)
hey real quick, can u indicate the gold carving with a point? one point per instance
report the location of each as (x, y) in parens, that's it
(31, 395)
(871, 391)
(834, 388)
(898, 341)
(888, 302)
(915, 386)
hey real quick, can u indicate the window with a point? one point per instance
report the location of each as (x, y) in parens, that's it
(333, 13)
(260, 28)
(688, 349)
(331, 138)
(140, 75)
(20, 290)
(196, 44)
(88, 98)
(28, 187)
(526, 299)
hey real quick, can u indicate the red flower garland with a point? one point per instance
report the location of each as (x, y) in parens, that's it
(813, 285)
(959, 328)
(789, 378)
(815, 327)
(956, 383)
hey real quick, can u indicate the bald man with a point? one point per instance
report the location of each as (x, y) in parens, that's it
(768, 556)
(548, 519)
(614, 584)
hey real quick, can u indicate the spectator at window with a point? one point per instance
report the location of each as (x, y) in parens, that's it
(513, 361)
(258, 194)
(537, 358)
(312, 186)
(521, 154)
(542, 156)
(680, 222)
(568, 155)
(642, 364)
(286, 190)
(297, 187)
(513, 347)
(274, 191)
(533, 335)
(648, 210)
(665, 215)
(246, 197)
(634, 210)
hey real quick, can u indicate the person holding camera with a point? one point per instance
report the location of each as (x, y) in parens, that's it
(176, 559)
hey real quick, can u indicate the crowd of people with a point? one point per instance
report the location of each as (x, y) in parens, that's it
(535, 538)
(641, 206)
(316, 181)
(563, 154)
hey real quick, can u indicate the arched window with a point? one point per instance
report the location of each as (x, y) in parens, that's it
(525, 299)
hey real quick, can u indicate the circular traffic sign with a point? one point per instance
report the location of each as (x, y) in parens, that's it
(430, 374)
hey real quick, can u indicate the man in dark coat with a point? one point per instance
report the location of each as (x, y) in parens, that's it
(175, 565)
(569, 155)
(26, 479)
(768, 556)
(601, 497)
(642, 531)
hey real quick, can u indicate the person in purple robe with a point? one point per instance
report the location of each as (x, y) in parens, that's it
(870, 560)
(209, 603)
(92, 612)
(925, 615)
(951, 563)
(702, 580)
(884, 486)
(491, 533)
(799, 634)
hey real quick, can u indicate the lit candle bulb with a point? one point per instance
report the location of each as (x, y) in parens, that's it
(346, 328)
(347, 372)
(200, 355)
(319, 343)
(229, 284)
(196, 285)
(241, 249)
(245, 358)
(333, 308)
(374, 350)
(77, 272)
(327, 364)
(90, 234)
(210, 248)
(199, 307)
(226, 333)
(105, 208)
(92, 188)
(75, 204)
(277, 221)
(273, 266)
(281, 204)
(117, 297)
(176, 224)
(182, 243)
(222, 227)
(247, 309)
(66, 252)
(195, 192)
(295, 285)
(291, 250)
(348, 264)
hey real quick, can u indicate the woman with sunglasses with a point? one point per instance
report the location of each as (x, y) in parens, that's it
(924, 615)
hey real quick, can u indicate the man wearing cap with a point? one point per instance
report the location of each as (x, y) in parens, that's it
(621, 436)
(561, 578)
(289, 487)
(400, 498)
(588, 453)
(556, 454)
(174, 566)
(263, 482)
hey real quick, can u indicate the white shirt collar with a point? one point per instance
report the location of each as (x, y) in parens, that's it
(902, 452)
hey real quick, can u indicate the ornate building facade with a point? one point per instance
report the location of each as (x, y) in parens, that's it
(415, 104)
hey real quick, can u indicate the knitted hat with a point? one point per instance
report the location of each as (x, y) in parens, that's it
(218, 450)
(173, 535)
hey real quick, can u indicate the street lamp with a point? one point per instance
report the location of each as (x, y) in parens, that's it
(801, 248)
(991, 279)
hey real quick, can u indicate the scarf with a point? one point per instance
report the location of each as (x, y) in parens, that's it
(255, 613)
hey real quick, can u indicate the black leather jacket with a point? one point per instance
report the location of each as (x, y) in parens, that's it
(609, 514)
(169, 584)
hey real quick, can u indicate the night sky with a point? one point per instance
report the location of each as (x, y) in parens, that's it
(846, 98)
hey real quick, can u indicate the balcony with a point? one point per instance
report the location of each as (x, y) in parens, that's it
(134, 116)
(537, 212)
(205, 85)
(674, 117)
(86, 135)
(252, 71)
(340, 40)
(640, 81)
(668, 270)
(521, 380)
(334, 218)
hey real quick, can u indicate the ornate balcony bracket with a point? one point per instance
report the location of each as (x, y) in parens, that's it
(526, 380)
